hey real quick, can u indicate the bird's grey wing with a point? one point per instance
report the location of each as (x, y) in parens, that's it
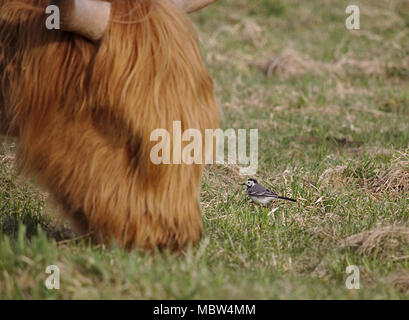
(271, 193)
(258, 191)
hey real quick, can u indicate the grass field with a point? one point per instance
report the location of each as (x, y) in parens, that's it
(332, 110)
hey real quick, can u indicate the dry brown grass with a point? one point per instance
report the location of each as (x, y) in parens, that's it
(396, 178)
(333, 177)
(392, 179)
(7, 156)
(290, 63)
(401, 280)
(383, 240)
(287, 64)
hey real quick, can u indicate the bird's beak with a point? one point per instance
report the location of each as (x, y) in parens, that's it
(242, 184)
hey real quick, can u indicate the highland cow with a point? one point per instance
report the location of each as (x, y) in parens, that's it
(82, 102)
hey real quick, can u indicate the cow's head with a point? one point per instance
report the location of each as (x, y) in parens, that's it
(90, 18)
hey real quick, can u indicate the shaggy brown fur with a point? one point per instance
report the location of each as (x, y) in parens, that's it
(84, 113)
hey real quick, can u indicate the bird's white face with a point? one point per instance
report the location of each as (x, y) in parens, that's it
(250, 183)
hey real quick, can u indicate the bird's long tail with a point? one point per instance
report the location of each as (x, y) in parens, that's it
(285, 198)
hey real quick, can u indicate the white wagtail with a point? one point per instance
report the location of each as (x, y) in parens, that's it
(260, 194)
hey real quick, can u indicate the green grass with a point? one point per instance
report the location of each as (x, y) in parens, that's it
(333, 120)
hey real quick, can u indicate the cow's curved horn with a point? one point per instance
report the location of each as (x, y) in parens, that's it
(75, 15)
